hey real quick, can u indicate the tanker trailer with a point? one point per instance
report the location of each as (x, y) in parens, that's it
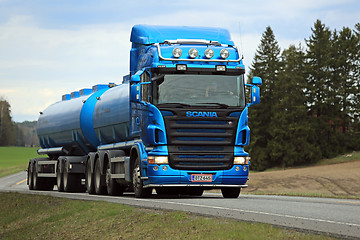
(177, 124)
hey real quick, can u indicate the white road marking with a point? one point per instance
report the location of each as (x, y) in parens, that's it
(241, 210)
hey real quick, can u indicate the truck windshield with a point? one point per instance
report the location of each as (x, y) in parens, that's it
(198, 90)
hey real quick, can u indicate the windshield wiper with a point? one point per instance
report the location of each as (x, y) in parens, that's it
(173, 104)
(218, 104)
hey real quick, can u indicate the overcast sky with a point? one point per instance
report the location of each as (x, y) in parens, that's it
(49, 48)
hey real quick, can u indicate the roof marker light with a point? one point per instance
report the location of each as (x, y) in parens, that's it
(177, 52)
(224, 53)
(209, 53)
(193, 53)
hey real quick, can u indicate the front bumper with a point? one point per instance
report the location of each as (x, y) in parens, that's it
(165, 176)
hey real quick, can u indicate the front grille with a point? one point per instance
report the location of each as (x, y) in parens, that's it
(201, 143)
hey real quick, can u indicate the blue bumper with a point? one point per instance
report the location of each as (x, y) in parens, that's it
(165, 176)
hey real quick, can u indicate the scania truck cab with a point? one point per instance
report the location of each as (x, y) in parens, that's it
(189, 93)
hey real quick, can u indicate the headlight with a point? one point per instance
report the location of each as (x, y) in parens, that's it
(224, 53)
(193, 53)
(209, 53)
(158, 160)
(241, 160)
(177, 52)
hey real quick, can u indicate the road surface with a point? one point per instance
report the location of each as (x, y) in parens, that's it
(338, 217)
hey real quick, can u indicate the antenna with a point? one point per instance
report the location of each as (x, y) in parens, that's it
(240, 39)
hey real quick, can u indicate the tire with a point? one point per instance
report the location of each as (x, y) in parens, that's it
(140, 191)
(231, 192)
(99, 189)
(59, 178)
(44, 184)
(113, 188)
(89, 179)
(30, 177)
(72, 182)
(35, 178)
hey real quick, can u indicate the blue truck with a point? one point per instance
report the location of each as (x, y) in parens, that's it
(178, 123)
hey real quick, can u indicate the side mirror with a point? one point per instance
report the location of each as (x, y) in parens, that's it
(256, 81)
(135, 78)
(255, 94)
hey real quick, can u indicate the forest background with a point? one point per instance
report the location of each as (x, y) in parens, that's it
(310, 101)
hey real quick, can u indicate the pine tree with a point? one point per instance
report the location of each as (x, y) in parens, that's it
(266, 64)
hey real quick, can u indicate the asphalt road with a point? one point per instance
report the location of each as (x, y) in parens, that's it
(338, 217)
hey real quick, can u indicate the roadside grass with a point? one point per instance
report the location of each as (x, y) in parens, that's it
(15, 159)
(348, 157)
(26, 216)
(302, 194)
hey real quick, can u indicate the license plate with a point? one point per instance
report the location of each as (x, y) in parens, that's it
(201, 177)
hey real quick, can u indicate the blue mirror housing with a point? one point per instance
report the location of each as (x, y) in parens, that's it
(255, 94)
(135, 78)
(256, 81)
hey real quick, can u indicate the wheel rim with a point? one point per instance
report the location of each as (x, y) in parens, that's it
(58, 177)
(34, 178)
(65, 178)
(136, 177)
(108, 176)
(97, 177)
(88, 176)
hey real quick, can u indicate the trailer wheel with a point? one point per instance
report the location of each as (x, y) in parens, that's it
(72, 182)
(44, 184)
(30, 177)
(140, 191)
(59, 178)
(113, 188)
(89, 180)
(231, 192)
(99, 189)
(35, 178)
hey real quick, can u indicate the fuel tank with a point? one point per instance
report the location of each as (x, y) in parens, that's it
(86, 119)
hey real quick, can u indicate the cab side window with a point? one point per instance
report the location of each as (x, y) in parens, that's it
(145, 87)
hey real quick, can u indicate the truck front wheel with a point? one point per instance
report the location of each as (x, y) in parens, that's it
(231, 192)
(140, 191)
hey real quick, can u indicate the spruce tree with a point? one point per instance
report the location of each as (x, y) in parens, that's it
(266, 64)
(292, 141)
(320, 88)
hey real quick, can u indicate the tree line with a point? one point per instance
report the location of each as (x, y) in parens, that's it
(15, 134)
(310, 99)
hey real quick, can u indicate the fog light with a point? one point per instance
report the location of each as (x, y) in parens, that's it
(181, 67)
(237, 168)
(209, 53)
(156, 168)
(177, 52)
(193, 53)
(224, 53)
